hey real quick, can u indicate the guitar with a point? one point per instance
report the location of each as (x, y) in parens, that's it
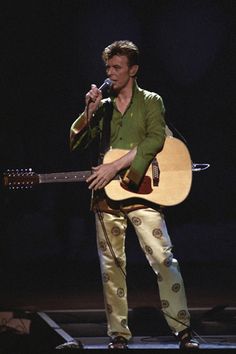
(167, 180)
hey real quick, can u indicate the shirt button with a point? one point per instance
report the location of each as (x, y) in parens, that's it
(120, 138)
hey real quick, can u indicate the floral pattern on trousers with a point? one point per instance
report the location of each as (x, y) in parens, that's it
(150, 227)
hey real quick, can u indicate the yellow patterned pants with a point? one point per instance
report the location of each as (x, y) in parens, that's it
(154, 240)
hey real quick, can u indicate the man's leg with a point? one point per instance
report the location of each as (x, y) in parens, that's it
(152, 233)
(113, 268)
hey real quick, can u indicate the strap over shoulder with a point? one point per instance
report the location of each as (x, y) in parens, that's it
(106, 128)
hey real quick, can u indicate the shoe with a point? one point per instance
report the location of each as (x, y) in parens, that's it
(118, 342)
(186, 340)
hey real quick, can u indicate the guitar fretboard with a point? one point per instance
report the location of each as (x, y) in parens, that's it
(78, 176)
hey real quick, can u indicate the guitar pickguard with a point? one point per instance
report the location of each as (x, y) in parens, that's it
(144, 188)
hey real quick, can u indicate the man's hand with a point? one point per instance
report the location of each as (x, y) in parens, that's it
(101, 175)
(93, 99)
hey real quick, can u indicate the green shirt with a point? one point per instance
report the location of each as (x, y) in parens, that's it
(141, 125)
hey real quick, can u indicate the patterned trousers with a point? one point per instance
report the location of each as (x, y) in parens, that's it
(154, 240)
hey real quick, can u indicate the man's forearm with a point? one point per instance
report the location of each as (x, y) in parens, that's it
(126, 160)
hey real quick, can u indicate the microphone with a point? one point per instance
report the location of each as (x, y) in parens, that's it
(106, 85)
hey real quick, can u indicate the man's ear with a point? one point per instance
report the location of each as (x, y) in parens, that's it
(133, 70)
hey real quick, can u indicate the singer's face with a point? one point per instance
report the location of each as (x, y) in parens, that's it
(120, 72)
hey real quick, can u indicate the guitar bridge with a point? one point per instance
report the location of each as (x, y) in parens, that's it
(155, 172)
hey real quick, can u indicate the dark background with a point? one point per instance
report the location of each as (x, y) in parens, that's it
(51, 53)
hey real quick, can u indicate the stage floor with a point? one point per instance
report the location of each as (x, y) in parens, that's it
(72, 303)
(163, 343)
(214, 328)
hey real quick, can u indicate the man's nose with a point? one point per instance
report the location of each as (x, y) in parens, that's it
(109, 72)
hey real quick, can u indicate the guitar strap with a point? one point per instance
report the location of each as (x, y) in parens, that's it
(106, 129)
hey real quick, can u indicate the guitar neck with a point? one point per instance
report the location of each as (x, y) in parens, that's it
(63, 177)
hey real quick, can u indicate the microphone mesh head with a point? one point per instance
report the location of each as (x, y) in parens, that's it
(108, 82)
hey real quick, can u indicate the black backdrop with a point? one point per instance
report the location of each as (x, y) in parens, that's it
(51, 53)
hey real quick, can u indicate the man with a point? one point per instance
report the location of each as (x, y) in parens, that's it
(136, 123)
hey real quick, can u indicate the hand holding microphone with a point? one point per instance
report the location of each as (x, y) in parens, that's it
(95, 94)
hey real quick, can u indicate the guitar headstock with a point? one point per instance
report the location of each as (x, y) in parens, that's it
(20, 179)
